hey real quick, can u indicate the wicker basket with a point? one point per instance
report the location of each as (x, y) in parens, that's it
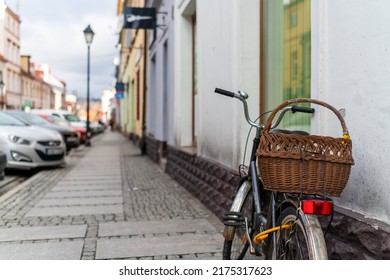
(306, 164)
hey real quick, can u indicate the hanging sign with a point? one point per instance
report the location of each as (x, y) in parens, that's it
(139, 18)
(119, 95)
(120, 89)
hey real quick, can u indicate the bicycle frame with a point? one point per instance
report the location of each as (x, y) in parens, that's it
(260, 220)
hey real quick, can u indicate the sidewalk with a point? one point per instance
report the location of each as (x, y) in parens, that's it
(108, 202)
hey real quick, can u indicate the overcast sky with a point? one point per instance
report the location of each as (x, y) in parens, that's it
(52, 33)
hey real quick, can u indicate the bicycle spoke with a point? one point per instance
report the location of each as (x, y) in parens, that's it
(293, 242)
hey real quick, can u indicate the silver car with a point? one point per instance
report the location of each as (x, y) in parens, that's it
(70, 136)
(29, 147)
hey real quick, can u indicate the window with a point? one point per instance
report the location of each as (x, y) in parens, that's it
(287, 52)
(293, 18)
(294, 65)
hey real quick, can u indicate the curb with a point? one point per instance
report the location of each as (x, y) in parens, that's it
(16, 189)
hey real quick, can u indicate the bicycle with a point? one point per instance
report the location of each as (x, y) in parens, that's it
(290, 229)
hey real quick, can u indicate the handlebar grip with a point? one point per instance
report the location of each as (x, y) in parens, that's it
(224, 92)
(302, 109)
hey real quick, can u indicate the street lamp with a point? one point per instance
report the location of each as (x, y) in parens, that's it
(2, 94)
(2, 84)
(88, 33)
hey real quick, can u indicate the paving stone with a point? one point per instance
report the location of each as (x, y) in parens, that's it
(154, 227)
(101, 180)
(157, 246)
(74, 210)
(66, 250)
(87, 187)
(80, 201)
(47, 232)
(83, 193)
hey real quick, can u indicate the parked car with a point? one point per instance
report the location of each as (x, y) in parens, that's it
(3, 164)
(70, 136)
(95, 127)
(62, 114)
(29, 147)
(58, 121)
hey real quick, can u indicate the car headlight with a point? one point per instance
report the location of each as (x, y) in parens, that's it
(20, 157)
(19, 140)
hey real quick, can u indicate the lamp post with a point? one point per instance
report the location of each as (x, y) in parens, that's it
(88, 33)
(2, 94)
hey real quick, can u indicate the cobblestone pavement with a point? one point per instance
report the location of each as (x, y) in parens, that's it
(107, 202)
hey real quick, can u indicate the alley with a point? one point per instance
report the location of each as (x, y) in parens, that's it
(108, 202)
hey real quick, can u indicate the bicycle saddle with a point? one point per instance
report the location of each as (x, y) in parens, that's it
(285, 131)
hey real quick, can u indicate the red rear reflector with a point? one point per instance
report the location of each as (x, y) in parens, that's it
(317, 207)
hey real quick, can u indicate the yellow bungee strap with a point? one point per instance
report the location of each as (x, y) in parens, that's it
(264, 234)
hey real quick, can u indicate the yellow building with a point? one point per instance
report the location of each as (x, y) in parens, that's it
(286, 62)
(132, 72)
(297, 49)
(36, 93)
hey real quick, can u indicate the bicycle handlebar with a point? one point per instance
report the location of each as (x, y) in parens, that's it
(302, 109)
(242, 96)
(224, 92)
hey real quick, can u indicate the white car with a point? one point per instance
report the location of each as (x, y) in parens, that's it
(62, 114)
(29, 147)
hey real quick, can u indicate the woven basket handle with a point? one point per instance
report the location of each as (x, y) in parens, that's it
(268, 124)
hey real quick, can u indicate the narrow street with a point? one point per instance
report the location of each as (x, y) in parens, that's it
(108, 202)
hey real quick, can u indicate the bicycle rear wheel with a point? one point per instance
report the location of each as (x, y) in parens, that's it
(304, 240)
(236, 248)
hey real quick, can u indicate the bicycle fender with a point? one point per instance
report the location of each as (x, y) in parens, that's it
(238, 201)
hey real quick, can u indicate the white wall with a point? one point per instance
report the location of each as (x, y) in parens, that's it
(351, 69)
(184, 9)
(228, 58)
(161, 84)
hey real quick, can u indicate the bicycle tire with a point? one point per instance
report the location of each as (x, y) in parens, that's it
(305, 238)
(237, 247)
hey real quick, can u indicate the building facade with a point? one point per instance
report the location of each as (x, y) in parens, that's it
(36, 92)
(132, 72)
(10, 50)
(58, 86)
(161, 97)
(274, 50)
(22, 84)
